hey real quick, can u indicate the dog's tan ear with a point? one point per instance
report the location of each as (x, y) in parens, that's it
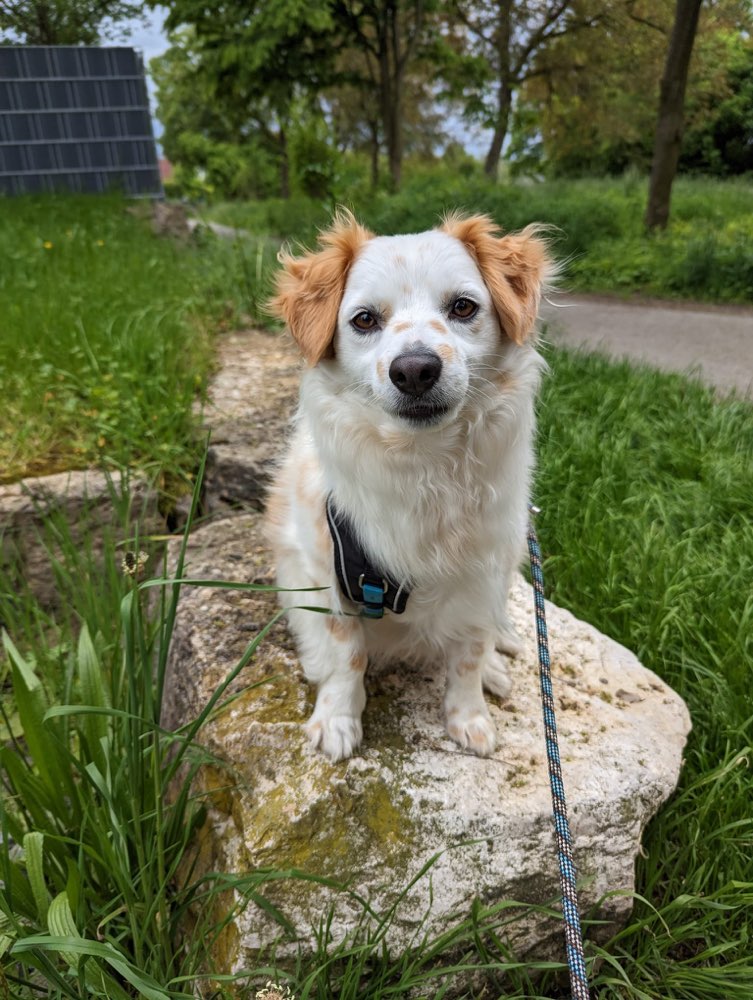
(513, 268)
(310, 288)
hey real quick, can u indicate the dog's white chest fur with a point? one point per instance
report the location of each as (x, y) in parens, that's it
(416, 417)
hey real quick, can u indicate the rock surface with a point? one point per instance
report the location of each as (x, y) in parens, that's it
(251, 399)
(374, 821)
(89, 503)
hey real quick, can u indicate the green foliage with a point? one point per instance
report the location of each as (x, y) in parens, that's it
(212, 147)
(98, 324)
(646, 486)
(237, 275)
(719, 137)
(313, 157)
(297, 218)
(590, 107)
(99, 899)
(64, 22)
(598, 230)
(105, 334)
(229, 89)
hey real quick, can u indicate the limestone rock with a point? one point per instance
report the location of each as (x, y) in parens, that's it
(374, 821)
(91, 506)
(251, 399)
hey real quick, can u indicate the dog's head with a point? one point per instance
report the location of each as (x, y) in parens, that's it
(415, 323)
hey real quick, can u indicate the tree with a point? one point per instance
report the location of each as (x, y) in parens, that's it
(353, 60)
(670, 121)
(230, 139)
(202, 136)
(64, 22)
(502, 39)
(257, 61)
(718, 136)
(354, 110)
(590, 107)
(390, 35)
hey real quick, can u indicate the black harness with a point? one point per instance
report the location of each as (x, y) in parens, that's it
(360, 581)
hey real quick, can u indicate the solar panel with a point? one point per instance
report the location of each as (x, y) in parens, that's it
(75, 118)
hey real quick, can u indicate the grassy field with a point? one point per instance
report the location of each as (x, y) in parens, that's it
(646, 487)
(105, 326)
(706, 253)
(105, 333)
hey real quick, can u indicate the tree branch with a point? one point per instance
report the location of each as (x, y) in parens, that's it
(642, 20)
(539, 35)
(519, 71)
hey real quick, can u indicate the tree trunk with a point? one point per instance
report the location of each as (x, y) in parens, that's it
(391, 81)
(669, 124)
(284, 164)
(45, 32)
(503, 41)
(504, 104)
(394, 132)
(374, 151)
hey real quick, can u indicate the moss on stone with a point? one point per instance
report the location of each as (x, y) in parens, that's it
(332, 829)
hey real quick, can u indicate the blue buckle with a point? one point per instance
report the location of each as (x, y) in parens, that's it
(373, 597)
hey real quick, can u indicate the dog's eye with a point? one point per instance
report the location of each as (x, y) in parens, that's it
(364, 321)
(463, 309)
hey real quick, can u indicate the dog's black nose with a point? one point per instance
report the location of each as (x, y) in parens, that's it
(416, 372)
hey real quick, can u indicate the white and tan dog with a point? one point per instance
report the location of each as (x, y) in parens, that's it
(416, 420)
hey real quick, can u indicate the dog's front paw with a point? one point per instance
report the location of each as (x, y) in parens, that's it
(336, 735)
(494, 675)
(473, 732)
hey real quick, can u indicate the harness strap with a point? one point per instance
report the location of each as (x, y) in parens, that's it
(360, 580)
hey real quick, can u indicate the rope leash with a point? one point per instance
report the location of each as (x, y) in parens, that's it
(573, 935)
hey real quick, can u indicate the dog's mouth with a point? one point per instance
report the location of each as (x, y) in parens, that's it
(423, 414)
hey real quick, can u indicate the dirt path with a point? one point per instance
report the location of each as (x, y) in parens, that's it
(715, 341)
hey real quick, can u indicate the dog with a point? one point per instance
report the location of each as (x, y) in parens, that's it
(411, 457)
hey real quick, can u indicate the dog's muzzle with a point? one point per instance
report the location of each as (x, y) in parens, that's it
(415, 373)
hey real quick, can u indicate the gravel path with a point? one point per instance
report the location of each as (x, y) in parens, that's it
(714, 341)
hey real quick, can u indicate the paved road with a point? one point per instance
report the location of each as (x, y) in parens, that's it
(715, 341)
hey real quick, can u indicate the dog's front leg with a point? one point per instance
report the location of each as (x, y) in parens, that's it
(468, 719)
(333, 655)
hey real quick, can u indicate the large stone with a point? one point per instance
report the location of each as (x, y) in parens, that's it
(374, 821)
(250, 401)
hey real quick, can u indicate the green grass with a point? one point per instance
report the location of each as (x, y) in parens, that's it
(94, 901)
(105, 335)
(705, 254)
(646, 485)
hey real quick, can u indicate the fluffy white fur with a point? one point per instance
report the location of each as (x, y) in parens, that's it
(440, 500)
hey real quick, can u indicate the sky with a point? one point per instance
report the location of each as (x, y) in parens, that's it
(148, 37)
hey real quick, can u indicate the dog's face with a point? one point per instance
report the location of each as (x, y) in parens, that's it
(417, 323)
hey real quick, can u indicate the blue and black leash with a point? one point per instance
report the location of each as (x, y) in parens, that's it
(573, 935)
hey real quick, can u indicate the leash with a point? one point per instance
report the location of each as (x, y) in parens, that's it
(573, 935)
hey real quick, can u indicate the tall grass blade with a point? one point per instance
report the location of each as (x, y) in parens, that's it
(33, 848)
